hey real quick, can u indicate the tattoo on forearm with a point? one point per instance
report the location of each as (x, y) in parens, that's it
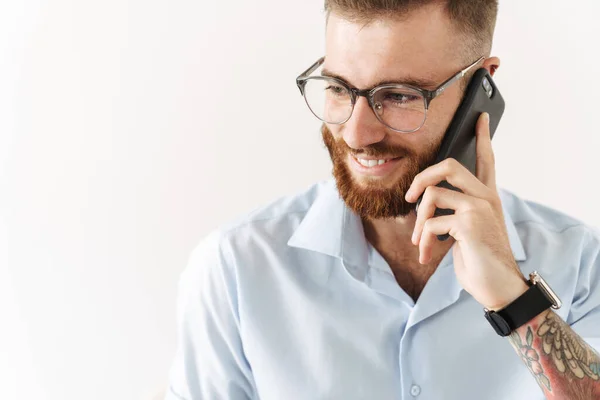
(561, 361)
(570, 354)
(530, 356)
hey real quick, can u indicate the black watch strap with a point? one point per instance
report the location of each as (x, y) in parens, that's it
(529, 305)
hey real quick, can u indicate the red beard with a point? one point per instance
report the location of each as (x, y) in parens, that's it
(376, 201)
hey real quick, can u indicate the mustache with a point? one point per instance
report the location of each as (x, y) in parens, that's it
(379, 149)
(375, 150)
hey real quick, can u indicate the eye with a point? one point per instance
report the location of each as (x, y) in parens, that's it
(335, 90)
(401, 98)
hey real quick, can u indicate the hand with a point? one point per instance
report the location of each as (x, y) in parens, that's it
(483, 260)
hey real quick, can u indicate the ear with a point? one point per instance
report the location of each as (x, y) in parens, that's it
(491, 64)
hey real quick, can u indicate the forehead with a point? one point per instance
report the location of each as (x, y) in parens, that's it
(422, 46)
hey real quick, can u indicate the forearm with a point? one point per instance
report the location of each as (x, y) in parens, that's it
(565, 366)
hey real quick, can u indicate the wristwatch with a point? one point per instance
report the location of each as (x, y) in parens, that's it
(538, 298)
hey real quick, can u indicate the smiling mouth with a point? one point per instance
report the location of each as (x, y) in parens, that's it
(374, 163)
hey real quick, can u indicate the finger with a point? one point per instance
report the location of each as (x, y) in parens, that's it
(454, 173)
(485, 166)
(426, 247)
(434, 227)
(436, 197)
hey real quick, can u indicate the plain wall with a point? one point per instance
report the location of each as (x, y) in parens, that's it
(129, 129)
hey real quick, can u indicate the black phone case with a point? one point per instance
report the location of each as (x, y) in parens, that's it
(460, 140)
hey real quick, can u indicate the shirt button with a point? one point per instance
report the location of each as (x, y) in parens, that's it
(415, 390)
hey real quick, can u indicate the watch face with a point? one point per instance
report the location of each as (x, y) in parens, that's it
(537, 279)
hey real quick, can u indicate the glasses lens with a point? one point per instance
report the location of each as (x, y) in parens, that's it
(400, 108)
(328, 100)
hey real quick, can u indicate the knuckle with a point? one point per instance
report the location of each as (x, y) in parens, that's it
(451, 164)
(431, 192)
(490, 205)
(427, 225)
(495, 202)
(469, 218)
(479, 204)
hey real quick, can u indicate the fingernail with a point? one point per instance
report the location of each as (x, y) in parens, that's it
(487, 118)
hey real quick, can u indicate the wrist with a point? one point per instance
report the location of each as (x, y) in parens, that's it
(509, 315)
(510, 293)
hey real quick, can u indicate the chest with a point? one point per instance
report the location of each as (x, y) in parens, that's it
(410, 275)
(373, 351)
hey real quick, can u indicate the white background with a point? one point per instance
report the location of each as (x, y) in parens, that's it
(130, 128)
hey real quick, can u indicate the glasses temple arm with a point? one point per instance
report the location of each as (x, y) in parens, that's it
(312, 68)
(456, 77)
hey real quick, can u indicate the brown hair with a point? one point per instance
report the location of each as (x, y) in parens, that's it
(475, 19)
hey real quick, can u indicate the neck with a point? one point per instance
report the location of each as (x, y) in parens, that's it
(397, 231)
(392, 238)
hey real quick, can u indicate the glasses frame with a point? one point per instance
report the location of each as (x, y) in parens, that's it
(428, 95)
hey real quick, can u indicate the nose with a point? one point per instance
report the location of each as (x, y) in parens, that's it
(363, 128)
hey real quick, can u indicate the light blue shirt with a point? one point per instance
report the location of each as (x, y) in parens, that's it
(291, 302)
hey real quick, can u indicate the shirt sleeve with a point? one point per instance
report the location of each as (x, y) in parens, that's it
(584, 315)
(209, 362)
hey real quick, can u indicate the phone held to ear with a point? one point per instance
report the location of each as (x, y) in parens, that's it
(460, 142)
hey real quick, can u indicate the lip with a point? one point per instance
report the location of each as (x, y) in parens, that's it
(377, 170)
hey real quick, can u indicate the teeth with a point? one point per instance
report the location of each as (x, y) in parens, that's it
(371, 163)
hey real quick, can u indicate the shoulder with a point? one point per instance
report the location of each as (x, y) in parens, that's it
(271, 225)
(534, 218)
(564, 249)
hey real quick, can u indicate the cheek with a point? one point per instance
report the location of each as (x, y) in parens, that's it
(335, 130)
(439, 116)
(425, 141)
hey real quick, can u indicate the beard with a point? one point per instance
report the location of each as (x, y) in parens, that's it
(376, 199)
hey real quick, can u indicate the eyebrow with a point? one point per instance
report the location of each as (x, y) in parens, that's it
(412, 81)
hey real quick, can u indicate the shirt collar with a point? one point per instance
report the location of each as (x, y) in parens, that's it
(331, 228)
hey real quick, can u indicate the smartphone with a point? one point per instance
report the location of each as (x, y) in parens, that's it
(482, 95)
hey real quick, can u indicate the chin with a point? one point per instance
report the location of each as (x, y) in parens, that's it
(379, 196)
(375, 183)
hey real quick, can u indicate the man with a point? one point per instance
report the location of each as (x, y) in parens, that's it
(345, 292)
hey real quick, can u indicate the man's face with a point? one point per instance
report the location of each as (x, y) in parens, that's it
(423, 46)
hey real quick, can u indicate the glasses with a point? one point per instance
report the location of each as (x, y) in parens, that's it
(400, 107)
